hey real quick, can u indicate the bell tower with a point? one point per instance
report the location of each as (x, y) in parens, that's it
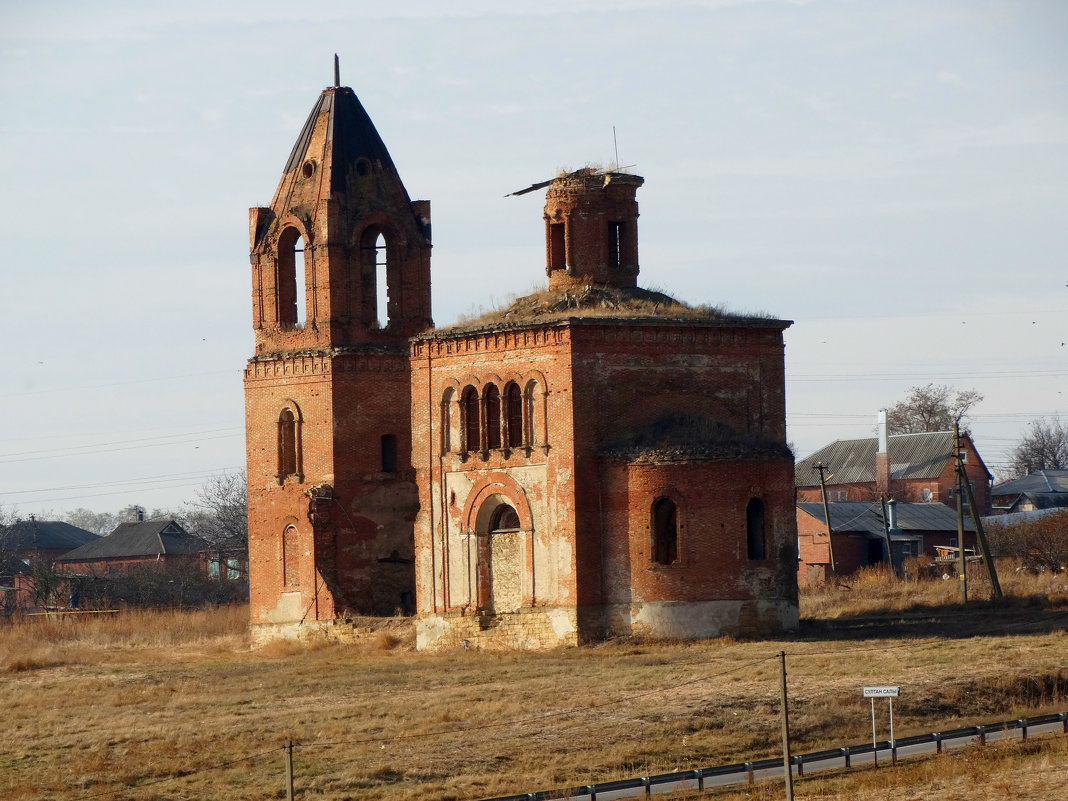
(340, 282)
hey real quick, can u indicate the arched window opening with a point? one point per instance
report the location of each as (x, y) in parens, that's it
(513, 403)
(493, 416)
(290, 279)
(381, 282)
(505, 519)
(374, 264)
(665, 532)
(755, 546)
(447, 436)
(389, 453)
(530, 434)
(288, 444)
(290, 557)
(469, 404)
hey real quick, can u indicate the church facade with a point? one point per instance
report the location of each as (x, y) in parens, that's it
(594, 460)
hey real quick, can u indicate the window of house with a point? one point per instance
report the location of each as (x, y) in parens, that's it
(557, 246)
(233, 570)
(755, 544)
(389, 453)
(513, 403)
(288, 444)
(665, 531)
(493, 416)
(469, 404)
(213, 568)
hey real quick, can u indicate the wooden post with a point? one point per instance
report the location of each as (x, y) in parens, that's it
(786, 726)
(826, 512)
(289, 770)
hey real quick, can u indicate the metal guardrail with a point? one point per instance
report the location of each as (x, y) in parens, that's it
(828, 759)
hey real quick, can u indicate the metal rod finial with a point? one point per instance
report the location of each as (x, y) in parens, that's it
(337, 72)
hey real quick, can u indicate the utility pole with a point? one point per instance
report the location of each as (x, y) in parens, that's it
(960, 516)
(980, 534)
(786, 733)
(826, 512)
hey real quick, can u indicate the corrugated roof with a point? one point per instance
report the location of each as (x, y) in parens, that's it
(1042, 481)
(864, 517)
(852, 461)
(139, 539)
(51, 535)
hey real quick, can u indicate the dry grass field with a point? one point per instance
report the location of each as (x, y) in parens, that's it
(175, 706)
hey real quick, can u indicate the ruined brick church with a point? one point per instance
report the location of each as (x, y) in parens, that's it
(594, 460)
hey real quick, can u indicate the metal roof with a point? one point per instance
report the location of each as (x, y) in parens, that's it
(350, 136)
(852, 461)
(867, 518)
(50, 535)
(143, 538)
(1042, 481)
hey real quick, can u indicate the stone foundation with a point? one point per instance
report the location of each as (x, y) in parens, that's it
(335, 631)
(524, 630)
(696, 620)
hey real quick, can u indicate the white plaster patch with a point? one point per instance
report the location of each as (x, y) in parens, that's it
(705, 619)
(562, 621)
(287, 610)
(429, 630)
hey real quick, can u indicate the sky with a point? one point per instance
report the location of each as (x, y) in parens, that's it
(891, 176)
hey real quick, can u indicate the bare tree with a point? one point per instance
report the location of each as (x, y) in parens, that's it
(931, 408)
(220, 512)
(1043, 447)
(1041, 542)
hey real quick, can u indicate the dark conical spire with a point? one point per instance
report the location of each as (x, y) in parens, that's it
(350, 138)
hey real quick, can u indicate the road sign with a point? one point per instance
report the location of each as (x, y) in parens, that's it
(880, 692)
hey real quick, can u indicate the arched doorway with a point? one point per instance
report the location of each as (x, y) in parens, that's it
(500, 557)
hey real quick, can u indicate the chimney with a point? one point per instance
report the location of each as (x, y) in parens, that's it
(882, 457)
(891, 514)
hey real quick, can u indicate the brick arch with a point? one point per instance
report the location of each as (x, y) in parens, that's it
(481, 503)
(449, 415)
(291, 220)
(496, 484)
(382, 221)
(471, 379)
(671, 491)
(535, 391)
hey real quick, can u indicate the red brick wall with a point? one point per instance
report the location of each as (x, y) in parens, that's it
(346, 403)
(606, 380)
(712, 543)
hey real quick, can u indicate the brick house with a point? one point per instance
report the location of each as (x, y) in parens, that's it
(1043, 489)
(911, 468)
(597, 459)
(915, 529)
(28, 541)
(140, 543)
